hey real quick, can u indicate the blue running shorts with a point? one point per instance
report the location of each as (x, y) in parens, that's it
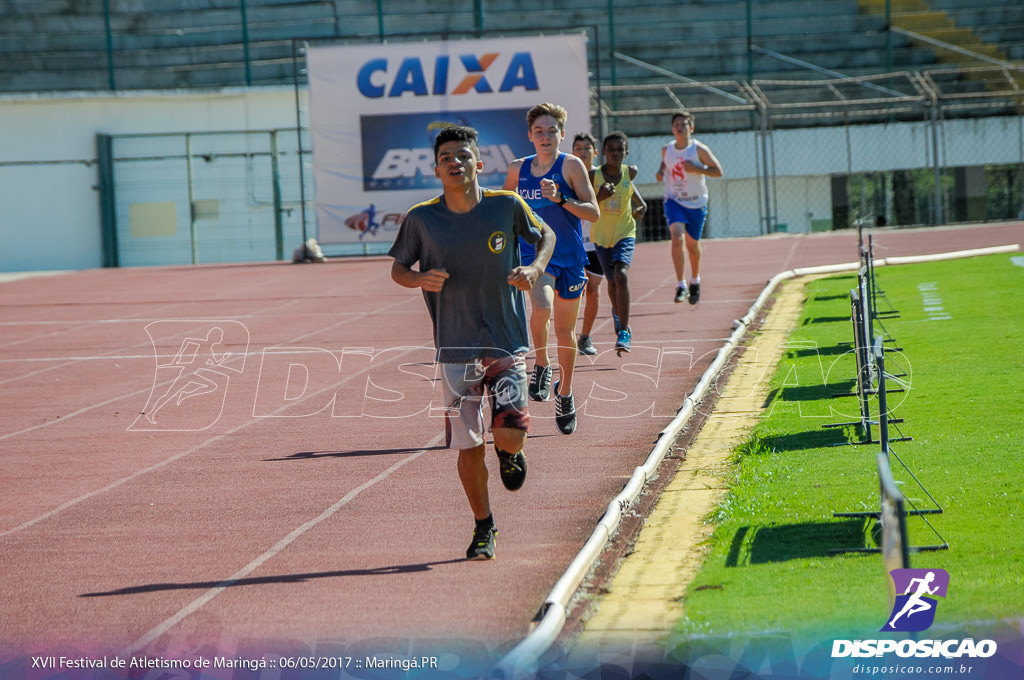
(691, 218)
(620, 252)
(569, 282)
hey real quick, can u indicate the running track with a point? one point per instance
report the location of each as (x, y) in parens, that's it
(304, 503)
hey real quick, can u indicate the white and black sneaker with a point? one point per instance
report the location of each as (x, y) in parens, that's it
(540, 383)
(565, 412)
(681, 293)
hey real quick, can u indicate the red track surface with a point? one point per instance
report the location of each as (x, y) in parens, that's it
(273, 515)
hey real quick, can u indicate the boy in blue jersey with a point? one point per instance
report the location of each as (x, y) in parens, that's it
(557, 186)
(474, 284)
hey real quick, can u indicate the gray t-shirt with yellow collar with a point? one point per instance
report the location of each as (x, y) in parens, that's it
(477, 313)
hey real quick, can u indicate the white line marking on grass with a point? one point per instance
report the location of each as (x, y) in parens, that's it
(242, 573)
(933, 302)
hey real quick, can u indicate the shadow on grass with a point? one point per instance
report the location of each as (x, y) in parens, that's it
(826, 319)
(817, 392)
(761, 545)
(801, 441)
(835, 350)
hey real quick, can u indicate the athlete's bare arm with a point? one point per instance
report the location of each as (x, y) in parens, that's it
(432, 280)
(512, 176)
(524, 277)
(712, 168)
(585, 205)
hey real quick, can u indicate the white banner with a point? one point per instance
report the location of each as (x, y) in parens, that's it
(376, 109)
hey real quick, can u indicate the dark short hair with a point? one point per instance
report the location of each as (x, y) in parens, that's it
(619, 135)
(685, 115)
(457, 133)
(585, 137)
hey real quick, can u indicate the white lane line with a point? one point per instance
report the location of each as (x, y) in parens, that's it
(248, 569)
(158, 357)
(113, 485)
(84, 325)
(64, 418)
(124, 480)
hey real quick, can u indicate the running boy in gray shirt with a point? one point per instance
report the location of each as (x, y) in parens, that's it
(466, 242)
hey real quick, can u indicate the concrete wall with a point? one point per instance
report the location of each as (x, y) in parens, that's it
(48, 177)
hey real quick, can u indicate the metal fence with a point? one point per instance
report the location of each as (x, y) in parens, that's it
(206, 197)
(897, 149)
(800, 156)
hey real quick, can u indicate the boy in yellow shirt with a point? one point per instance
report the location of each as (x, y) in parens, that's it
(614, 233)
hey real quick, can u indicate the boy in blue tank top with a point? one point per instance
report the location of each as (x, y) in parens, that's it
(557, 186)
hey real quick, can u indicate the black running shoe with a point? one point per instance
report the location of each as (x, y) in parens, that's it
(540, 383)
(482, 547)
(512, 467)
(680, 294)
(565, 413)
(694, 294)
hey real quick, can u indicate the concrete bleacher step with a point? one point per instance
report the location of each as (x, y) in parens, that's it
(191, 23)
(920, 17)
(929, 19)
(45, 45)
(61, 44)
(218, 74)
(54, 7)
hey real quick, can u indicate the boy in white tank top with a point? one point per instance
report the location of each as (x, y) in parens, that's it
(685, 163)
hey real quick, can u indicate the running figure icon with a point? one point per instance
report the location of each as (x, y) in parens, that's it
(196, 382)
(916, 602)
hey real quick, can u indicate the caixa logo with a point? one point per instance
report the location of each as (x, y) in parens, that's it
(383, 78)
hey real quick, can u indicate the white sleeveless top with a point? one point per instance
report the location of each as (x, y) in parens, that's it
(689, 190)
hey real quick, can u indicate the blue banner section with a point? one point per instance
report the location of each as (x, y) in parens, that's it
(398, 149)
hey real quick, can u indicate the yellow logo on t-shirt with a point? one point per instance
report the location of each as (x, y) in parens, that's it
(497, 242)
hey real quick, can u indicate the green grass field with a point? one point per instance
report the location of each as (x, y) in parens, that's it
(769, 568)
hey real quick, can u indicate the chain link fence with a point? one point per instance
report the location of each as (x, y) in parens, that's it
(900, 149)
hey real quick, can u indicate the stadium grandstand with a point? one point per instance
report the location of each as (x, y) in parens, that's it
(764, 52)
